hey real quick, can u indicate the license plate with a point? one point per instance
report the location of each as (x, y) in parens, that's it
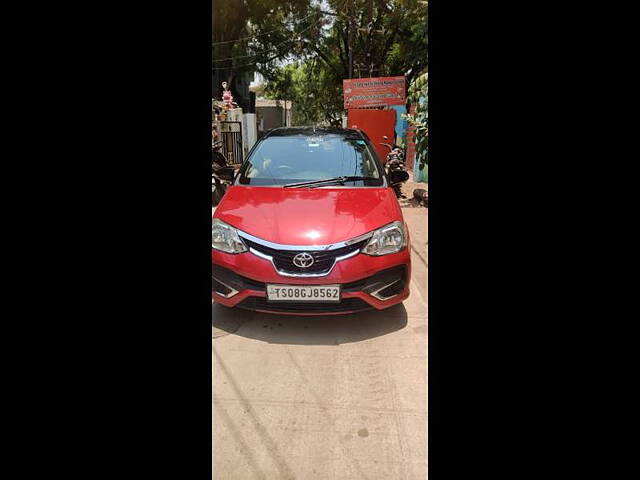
(303, 293)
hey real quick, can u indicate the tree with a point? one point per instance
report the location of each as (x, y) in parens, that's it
(315, 96)
(327, 41)
(381, 37)
(251, 35)
(419, 96)
(229, 19)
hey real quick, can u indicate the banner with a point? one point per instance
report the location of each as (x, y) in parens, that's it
(373, 92)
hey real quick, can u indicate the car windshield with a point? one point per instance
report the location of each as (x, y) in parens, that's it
(281, 160)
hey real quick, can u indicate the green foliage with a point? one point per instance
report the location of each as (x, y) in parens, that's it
(316, 97)
(252, 34)
(383, 38)
(419, 96)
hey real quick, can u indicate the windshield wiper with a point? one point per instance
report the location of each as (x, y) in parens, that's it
(328, 181)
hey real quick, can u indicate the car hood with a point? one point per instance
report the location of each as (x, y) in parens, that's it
(308, 216)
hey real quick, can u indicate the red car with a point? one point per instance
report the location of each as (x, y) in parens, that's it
(310, 226)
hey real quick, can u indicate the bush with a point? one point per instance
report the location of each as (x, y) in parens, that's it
(419, 96)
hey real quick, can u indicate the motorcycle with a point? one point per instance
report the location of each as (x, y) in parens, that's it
(395, 168)
(221, 173)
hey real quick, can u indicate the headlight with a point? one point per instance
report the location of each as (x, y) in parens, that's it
(225, 238)
(389, 239)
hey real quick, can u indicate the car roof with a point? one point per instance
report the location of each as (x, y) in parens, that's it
(295, 131)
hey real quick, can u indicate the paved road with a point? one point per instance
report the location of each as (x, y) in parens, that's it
(324, 397)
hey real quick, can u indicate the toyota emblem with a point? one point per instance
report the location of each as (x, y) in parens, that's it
(303, 260)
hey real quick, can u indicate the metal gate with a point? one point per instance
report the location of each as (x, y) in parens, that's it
(231, 136)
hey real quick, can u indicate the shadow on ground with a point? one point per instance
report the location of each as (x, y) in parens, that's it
(411, 203)
(297, 330)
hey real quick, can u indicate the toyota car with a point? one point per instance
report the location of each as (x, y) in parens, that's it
(310, 226)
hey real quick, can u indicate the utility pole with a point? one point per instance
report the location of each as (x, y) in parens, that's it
(349, 41)
(287, 85)
(369, 30)
(369, 59)
(286, 95)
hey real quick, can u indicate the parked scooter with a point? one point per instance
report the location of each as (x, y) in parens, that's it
(221, 173)
(394, 167)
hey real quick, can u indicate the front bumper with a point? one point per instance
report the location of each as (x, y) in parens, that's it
(367, 283)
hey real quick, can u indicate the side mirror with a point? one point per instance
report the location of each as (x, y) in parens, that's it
(398, 176)
(226, 173)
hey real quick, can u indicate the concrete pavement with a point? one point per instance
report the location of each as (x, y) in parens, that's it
(337, 398)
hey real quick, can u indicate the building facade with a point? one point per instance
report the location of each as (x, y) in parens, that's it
(272, 114)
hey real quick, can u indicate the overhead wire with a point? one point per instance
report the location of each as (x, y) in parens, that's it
(246, 64)
(269, 49)
(260, 34)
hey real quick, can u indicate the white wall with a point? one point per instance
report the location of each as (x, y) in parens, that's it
(249, 132)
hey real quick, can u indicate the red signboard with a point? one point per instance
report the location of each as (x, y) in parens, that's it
(373, 92)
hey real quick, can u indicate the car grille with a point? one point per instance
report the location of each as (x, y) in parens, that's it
(323, 260)
(345, 305)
